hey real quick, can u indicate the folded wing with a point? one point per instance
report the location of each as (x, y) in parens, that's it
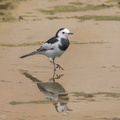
(49, 45)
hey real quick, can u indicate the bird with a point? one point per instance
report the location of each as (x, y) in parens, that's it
(54, 47)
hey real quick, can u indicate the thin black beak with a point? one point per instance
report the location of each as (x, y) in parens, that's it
(71, 33)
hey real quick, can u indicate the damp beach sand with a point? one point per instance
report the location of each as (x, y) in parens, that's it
(88, 88)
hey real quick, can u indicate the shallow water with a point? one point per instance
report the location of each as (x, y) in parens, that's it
(33, 91)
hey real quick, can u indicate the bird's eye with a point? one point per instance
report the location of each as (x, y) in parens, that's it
(63, 32)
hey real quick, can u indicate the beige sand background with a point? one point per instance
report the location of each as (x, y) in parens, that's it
(92, 63)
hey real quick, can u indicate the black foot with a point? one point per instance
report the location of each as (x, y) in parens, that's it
(58, 66)
(58, 76)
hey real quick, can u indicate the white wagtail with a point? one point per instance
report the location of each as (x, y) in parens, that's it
(54, 47)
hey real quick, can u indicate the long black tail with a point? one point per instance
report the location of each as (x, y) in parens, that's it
(33, 53)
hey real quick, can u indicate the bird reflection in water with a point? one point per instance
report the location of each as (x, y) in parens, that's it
(53, 91)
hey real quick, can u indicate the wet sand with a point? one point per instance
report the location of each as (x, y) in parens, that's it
(88, 88)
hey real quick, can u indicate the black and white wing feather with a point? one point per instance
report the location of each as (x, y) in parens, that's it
(49, 45)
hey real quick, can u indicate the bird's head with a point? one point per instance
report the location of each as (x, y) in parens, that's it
(63, 33)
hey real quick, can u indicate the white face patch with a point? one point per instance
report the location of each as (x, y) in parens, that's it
(63, 33)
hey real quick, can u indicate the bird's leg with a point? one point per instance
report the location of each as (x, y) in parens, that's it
(53, 77)
(52, 61)
(55, 65)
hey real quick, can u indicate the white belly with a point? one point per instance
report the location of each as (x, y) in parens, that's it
(53, 53)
